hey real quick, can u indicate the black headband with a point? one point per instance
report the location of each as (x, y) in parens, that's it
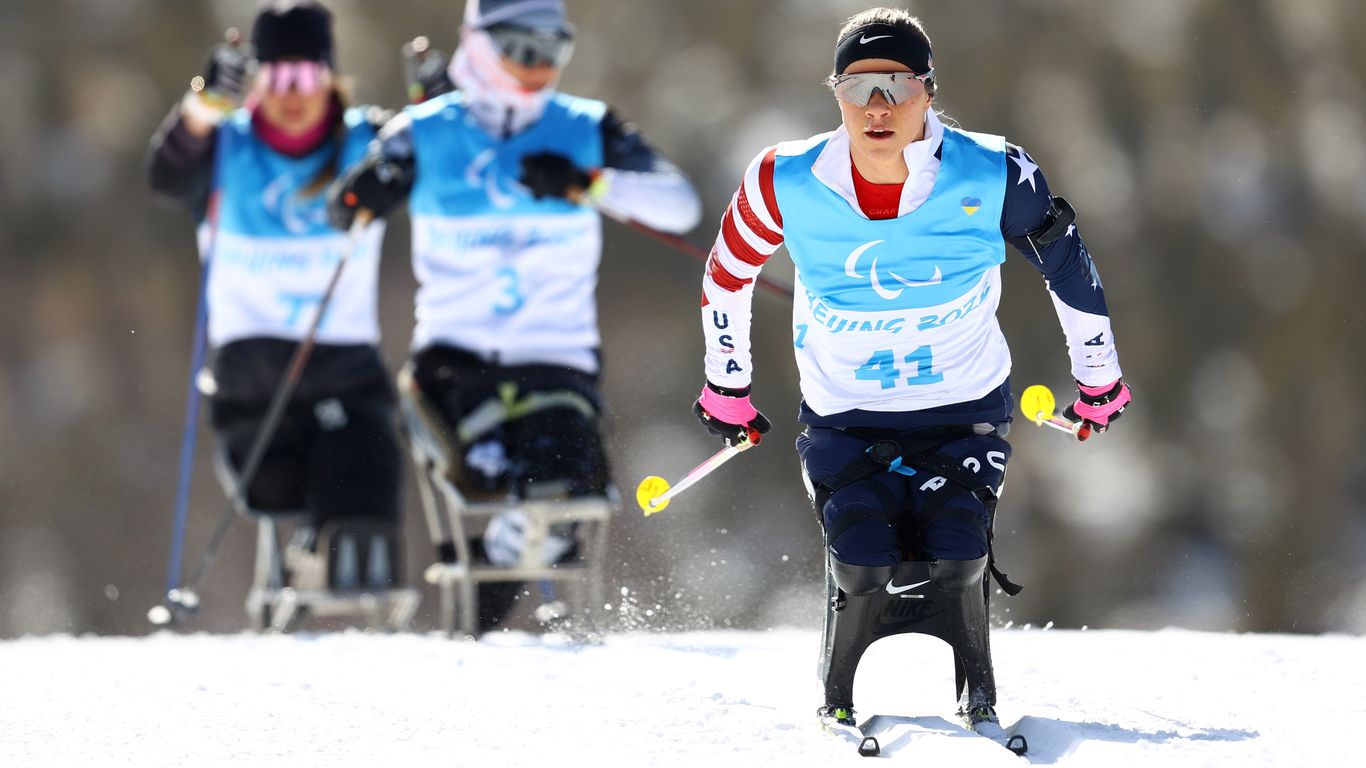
(292, 28)
(884, 41)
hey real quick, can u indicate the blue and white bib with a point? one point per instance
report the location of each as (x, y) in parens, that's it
(274, 251)
(896, 314)
(501, 273)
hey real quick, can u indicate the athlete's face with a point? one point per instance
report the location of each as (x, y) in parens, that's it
(879, 131)
(532, 78)
(294, 95)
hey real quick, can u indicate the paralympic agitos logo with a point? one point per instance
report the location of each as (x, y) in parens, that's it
(851, 269)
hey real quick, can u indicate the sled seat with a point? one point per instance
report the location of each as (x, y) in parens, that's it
(320, 573)
(456, 519)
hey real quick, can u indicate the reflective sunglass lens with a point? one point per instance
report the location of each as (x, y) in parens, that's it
(531, 49)
(304, 76)
(306, 79)
(895, 87)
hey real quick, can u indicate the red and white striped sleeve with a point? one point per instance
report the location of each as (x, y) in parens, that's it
(751, 230)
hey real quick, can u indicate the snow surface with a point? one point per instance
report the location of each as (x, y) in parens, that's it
(1097, 698)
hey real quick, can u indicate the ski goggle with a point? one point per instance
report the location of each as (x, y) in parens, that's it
(896, 87)
(306, 77)
(531, 48)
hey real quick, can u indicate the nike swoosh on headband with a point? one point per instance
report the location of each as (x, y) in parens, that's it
(864, 40)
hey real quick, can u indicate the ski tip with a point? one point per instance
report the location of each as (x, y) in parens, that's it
(869, 747)
(1017, 744)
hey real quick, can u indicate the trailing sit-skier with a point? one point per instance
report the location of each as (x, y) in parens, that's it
(254, 176)
(504, 180)
(897, 225)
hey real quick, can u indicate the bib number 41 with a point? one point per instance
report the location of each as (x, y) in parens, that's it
(883, 367)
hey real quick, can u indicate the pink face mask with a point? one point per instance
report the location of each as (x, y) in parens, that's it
(306, 77)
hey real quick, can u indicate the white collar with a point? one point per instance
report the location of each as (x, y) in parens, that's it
(834, 166)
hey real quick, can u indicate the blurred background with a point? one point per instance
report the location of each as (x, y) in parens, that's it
(1216, 153)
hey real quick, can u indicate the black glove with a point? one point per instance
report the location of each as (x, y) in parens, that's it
(547, 174)
(225, 73)
(215, 94)
(722, 400)
(375, 185)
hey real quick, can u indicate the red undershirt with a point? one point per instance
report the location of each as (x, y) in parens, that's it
(878, 201)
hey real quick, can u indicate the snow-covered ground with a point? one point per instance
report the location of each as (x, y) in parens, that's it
(1097, 698)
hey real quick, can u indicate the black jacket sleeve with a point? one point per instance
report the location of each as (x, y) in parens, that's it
(625, 149)
(180, 164)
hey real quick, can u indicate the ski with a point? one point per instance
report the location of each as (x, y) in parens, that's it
(992, 730)
(866, 745)
(888, 734)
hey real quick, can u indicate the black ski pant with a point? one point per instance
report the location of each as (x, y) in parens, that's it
(890, 516)
(336, 456)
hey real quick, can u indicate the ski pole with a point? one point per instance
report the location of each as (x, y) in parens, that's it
(653, 493)
(1037, 404)
(190, 434)
(185, 598)
(683, 246)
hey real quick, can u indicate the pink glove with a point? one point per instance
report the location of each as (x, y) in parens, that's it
(728, 414)
(1099, 406)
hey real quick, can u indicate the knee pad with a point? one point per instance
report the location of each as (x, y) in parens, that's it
(859, 522)
(957, 530)
(558, 446)
(958, 575)
(860, 579)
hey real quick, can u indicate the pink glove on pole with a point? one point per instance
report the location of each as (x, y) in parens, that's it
(1099, 406)
(727, 413)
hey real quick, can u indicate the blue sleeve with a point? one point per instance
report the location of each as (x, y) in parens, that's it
(1065, 264)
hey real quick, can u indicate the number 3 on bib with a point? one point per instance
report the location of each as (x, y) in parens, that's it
(882, 367)
(510, 297)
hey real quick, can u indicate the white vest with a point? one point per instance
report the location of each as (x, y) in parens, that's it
(274, 251)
